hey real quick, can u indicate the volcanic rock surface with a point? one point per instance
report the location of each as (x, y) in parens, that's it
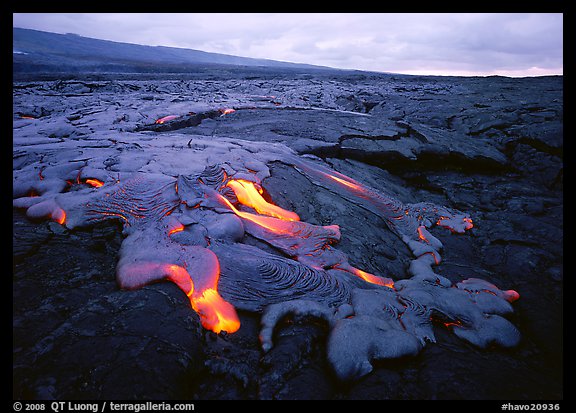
(491, 148)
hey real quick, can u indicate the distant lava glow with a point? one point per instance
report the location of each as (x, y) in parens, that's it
(227, 111)
(166, 119)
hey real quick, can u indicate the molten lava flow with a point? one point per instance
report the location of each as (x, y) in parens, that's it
(59, 215)
(511, 295)
(47, 209)
(282, 223)
(166, 119)
(469, 224)
(94, 182)
(272, 224)
(348, 182)
(227, 111)
(421, 235)
(179, 276)
(373, 279)
(357, 190)
(248, 195)
(215, 313)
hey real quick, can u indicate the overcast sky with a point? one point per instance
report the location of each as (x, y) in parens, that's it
(509, 44)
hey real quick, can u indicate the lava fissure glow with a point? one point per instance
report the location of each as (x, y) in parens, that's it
(176, 229)
(348, 182)
(226, 111)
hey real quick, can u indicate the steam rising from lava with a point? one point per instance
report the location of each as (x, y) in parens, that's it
(189, 227)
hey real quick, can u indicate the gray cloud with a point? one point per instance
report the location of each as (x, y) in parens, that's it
(462, 44)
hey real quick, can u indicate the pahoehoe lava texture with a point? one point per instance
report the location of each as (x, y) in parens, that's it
(356, 236)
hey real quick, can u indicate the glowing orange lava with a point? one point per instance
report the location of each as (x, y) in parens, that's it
(94, 182)
(179, 276)
(59, 215)
(216, 314)
(511, 295)
(421, 235)
(166, 119)
(248, 195)
(178, 228)
(227, 111)
(115, 214)
(278, 226)
(280, 223)
(456, 323)
(372, 278)
(348, 182)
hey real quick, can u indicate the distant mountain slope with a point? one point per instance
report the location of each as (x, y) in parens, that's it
(37, 50)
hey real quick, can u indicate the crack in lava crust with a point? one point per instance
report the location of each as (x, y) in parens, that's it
(188, 229)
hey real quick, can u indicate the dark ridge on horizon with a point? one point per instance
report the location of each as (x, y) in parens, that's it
(40, 52)
(35, 50)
